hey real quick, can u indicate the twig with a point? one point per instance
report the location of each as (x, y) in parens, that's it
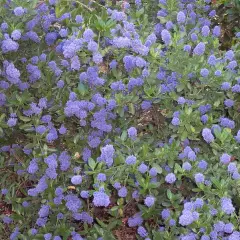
(83, 5)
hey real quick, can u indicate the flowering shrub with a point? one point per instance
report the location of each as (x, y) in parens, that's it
(102, 109)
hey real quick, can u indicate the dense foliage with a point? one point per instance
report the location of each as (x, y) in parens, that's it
(228, 16)
(114, 121)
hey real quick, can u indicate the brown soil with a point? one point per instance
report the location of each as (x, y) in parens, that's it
(125, 233)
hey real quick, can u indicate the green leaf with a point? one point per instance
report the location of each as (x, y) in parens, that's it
(158, 168)
(82, 88)
(91, 163)
(102, 224)
(124, 135)
(169, 194)
(139, 12)
(24, 119)
(178, 168)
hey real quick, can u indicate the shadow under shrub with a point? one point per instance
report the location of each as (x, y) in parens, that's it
(114, 125)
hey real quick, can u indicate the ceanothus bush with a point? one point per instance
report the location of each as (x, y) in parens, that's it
(104, 108)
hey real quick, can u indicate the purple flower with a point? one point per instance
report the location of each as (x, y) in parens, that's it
(143, 168)
(47, 236)
(75, 63)
(14, 234)
(25, 204)
(228, 228)
(122, 192)
(60, 84)
(229, 55)
(100, 199)
(198, 203)
(73, 203)
(79, 19)
(194, 37)
(187, 166)
(136, 220)
(142, 231)
(18, 11)
(44, 211)
(135, 194)
(76, 180)
(225, 122)
(204, 119)
(62, 129)
(132, 133)
(216, 31)
(162, 13)
(172, 222)
(204, 72)
(181, 18)
(130, 160)
(166, 36)
(113, 64)
(41, 129)
(199, 178)
(146, 105)
(12, 74)
(199, 49)
(117, 185)
(226, 205)
(101, 177)
(7, 220)
(225, 158)
(187, 48)
(186, 218)
(34, 231)
(236, 88)
(121, 42)
(236, 175)
(232, 65)
(170, 178)
(52, 2)
(169, 25)
(153, 172)
(83, 216)
(107, 154)
(84, 194)
(57, 238)
(149, 201)
(212, 60)
(175, 121)
(92, 46)
(41, 221)
(58, 191)
(202, 164)
(181, 100)
(33, 166)
(63, 32)
(4, 26)
(205, 31)
(51, 161)
(16, 34)
(225, 86)
(232, 167)
(207, 135)
(12, 122)
(50, 38)
(138, 2)
(88, 35)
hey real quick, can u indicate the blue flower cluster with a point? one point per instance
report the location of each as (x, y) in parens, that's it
(105, 113)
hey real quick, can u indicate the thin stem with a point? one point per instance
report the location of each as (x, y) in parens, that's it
(83, 5)
(99, 35)
(97, 4)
